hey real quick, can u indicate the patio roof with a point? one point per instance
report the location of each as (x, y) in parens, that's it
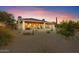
(33, 19)
(36, 20)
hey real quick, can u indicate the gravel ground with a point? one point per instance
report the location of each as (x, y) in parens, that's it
(41, 42)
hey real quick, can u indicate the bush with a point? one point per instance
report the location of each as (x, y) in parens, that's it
(5, 36)
(67, 29)
(51, 29)
(48, 31)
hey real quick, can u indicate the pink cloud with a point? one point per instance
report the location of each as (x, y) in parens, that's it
(40, 14)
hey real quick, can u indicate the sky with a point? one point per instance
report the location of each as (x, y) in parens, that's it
(49, 13)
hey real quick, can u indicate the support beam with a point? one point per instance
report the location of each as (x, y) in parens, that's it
(44, 25)
(23, 25)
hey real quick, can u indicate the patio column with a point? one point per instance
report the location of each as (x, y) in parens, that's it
(44, 25)
(23, 25)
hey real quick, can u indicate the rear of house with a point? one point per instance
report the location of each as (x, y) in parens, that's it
(34, 24)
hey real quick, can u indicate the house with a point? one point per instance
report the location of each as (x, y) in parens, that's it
(32, 23)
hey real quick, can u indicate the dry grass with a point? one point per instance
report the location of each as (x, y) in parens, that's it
(6, 35)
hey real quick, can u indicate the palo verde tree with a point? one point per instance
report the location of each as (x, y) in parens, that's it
(7, 18)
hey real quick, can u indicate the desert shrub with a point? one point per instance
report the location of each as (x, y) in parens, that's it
(77, 25)
(20, 30)
(48, 31)
(5, 36)
(67, 29)
(51, 29)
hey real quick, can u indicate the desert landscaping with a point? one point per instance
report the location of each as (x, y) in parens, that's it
(41, 42)
(19, 34)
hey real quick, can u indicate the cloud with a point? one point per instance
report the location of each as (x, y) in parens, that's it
(39, 13)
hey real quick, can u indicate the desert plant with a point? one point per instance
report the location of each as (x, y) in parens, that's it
(8, 19)
(48, 31)
(67, 29)
(5, 36)
(77, 25)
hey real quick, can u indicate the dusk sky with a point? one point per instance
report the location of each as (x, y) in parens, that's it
(44, 12)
